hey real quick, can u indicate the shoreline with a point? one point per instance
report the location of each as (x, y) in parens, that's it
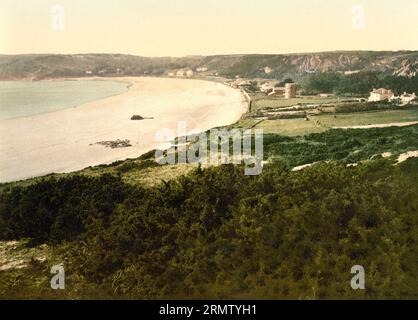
(65, 140)
(128, 86)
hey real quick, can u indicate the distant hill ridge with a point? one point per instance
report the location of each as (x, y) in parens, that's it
(41, 66)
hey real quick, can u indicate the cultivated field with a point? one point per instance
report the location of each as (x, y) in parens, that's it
(320, 123)
(261, 101)
(367, 118)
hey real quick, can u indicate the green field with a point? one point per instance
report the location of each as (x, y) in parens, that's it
(295, 127)
(290, 127)
(367, 118)
(261, 101)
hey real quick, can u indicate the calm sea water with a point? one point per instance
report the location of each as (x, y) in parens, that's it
(26, 98)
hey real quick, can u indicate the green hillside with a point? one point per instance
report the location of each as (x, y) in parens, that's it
(297, 66)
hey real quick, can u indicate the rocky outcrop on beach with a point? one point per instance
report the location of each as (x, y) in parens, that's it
(115, 144)
(137, 117)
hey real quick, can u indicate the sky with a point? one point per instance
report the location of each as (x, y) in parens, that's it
(206, 27)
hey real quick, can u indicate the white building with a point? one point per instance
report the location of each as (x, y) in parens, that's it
(381, 95)
(267, 70)
(266, 87)
(201, 69)
(408, 97)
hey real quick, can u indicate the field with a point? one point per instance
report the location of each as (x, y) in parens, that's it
(320, 123)
(290, 127)
(367, 118)
(261, 101)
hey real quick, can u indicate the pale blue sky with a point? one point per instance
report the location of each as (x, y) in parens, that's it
(184, 27)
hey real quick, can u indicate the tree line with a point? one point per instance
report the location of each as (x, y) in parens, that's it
(357, 84)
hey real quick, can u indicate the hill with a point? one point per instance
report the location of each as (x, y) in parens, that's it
(297, 66)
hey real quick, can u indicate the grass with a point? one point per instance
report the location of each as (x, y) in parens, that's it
(321, 123)
(31, 281)
(347, 146)
(155, 175)
(132, 171)
(367, 118)
(263, 101)
(25, 271)
(290, 127)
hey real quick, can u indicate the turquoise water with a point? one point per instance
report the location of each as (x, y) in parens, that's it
(26, 98)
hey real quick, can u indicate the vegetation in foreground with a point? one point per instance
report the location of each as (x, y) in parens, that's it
(216, 233)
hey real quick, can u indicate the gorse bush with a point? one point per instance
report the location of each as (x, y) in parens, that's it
(56, 210)
(217, 233)
(344, 145)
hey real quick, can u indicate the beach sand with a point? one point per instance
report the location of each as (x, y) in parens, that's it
(66, 140)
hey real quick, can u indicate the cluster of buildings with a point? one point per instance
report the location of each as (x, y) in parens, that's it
(181, 73)
(103, 72)
(187, 72)
(270, 88)
(383, 94)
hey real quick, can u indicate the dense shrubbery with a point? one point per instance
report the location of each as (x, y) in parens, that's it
(217, 233)
(56, 210)
(365, 106)
(348, 146)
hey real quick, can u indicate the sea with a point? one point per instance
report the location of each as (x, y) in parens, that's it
(28, 98)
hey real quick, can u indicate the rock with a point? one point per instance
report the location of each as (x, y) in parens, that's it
(115, 144)
(137, 117)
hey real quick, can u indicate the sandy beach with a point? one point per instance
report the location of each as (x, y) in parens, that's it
(66, 140)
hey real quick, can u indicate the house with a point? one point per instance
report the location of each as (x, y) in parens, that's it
(381, 95)
(189, 73)
(266, 87)
(408, 97)
(267, 70)
(201, 69)
(180, 73)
